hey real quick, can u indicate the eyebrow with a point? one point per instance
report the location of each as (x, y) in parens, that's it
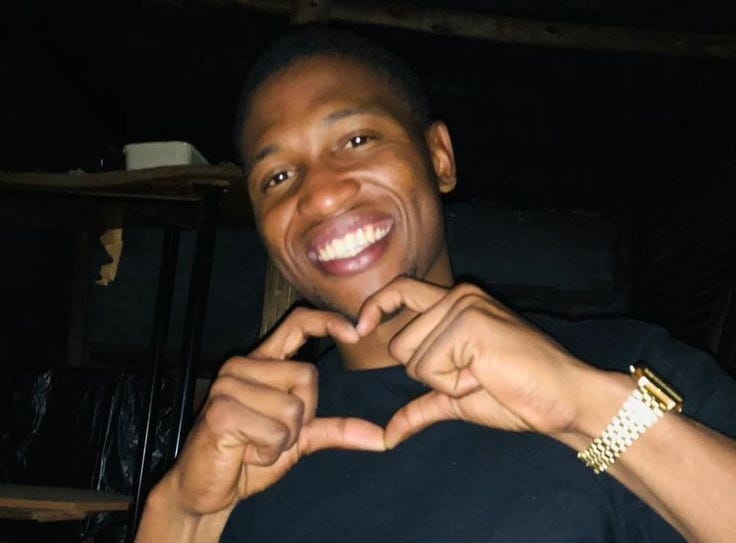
(260, 155)
(335, 116)
(371, 109)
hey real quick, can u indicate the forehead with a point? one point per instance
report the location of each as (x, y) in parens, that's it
(312, 83)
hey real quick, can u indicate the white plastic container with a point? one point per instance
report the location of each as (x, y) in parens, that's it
(155, 154)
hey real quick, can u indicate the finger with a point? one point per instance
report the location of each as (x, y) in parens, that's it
(300, 325)
(254, 436)
(417, 415)
(297, 378)
(443, 359)
(455, 382)
(418, 337)
(401, 292)
(275, 404)
(341, 433)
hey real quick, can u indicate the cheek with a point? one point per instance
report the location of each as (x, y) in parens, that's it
(274, 219)
(272, 227)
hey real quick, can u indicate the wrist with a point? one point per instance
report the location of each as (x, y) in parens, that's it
(598, 395)
(162, 516)
(165, 519)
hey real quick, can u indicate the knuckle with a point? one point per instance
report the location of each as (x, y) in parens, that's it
(292, 410)
(396, 284)
(473, 301)
(279, 436)
(231, 364)
(268, 455)
(396, 348)
(411, 417)
(339, 429)
(222, 385)
(306, 374)
(219, 416)
(299, 313)
(469, 314)
(470, 290)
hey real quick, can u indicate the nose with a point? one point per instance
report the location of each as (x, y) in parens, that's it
(326, 189)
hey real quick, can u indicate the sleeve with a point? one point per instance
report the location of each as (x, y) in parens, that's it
(709, 392)
(709, 397)
(613, 344)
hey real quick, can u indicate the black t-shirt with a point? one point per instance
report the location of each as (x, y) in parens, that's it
(464, 483)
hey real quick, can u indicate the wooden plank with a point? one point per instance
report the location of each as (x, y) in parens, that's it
(145, 197)
(41, 515)
(518, 30)
(46, 498)
(168, 181)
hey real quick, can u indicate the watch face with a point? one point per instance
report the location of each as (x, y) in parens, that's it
(651, 383)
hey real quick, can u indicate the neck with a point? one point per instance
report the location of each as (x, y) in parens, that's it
(372, 351)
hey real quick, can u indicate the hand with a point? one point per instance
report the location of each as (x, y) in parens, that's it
(259, 420)
(484, 363)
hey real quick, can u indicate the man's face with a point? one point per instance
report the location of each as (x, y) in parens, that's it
(345, 193)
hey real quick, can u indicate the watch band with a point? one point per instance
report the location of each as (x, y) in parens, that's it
(646, 405)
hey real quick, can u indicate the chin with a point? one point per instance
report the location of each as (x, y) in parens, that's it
(350, 308)
(326, 304)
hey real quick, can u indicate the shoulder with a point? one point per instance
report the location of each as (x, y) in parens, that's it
(609, 343)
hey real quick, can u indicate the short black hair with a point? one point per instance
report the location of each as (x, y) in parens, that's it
(312, 40)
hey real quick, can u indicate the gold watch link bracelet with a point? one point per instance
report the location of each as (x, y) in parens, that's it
(648, 403)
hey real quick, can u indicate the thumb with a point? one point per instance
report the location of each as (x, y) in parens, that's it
(417, 415)
(340, 433)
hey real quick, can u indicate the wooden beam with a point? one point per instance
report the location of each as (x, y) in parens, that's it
(309, 11)
(518, 30)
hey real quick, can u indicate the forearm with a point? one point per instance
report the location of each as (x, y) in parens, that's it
(164, 520)
(683, 470)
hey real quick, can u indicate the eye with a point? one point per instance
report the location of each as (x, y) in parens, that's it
(276, 179)
(357, 141)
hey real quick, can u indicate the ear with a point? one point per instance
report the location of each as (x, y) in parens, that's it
(443, 158)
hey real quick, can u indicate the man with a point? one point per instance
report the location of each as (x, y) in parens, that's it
(463, 418)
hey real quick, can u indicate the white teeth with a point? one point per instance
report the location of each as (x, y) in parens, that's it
(351, 244)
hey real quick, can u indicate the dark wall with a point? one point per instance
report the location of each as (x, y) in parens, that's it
(532, 125)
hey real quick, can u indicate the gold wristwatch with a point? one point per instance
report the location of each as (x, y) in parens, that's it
(648, 403)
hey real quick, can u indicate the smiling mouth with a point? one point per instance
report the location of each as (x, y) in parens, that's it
(352, 243)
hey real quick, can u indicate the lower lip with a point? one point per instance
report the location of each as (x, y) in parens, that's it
(355, 264)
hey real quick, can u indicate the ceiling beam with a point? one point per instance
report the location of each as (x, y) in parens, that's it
(513, 29)
(309, 11)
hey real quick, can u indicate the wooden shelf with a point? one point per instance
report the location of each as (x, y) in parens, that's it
(122, 198)
(46, 504)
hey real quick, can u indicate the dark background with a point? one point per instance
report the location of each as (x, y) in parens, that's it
(644, 141)
(590, 182)
(532, 125)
